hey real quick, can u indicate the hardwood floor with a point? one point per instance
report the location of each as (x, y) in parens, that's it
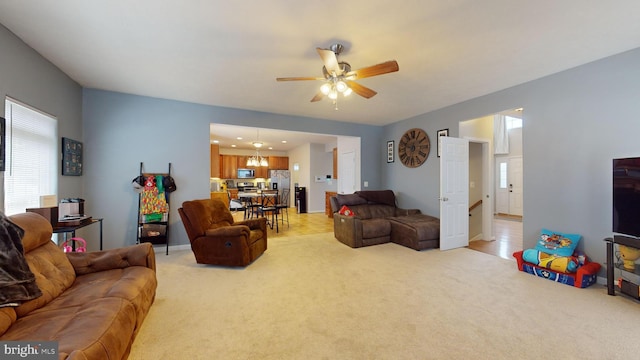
(508, 231)
(508, 238)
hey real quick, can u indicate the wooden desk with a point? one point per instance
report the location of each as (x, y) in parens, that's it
(72, 229)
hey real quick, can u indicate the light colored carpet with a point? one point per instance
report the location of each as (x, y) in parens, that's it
(311, 297)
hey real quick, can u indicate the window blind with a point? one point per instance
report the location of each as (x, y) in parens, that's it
(32, 162)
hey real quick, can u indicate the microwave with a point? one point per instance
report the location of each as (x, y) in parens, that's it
(246, 174)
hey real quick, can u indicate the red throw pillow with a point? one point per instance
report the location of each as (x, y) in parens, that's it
(344, 210)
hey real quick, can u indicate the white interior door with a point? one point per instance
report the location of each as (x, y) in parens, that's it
(454, 193)
(515, 185)
(347, 171)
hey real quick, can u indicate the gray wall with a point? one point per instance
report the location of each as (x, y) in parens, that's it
(121, 130)
(28, 77)
(575, 123)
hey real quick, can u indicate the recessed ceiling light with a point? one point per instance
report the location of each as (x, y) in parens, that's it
(239, 138)
(234, 145)
(216, 141)
(284, 141)
(270, 147)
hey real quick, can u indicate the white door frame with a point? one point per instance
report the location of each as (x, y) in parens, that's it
(487, 186)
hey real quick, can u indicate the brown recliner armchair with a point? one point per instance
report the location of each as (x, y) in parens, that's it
(215, 237)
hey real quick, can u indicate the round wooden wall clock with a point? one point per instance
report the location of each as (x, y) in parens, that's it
(413, 148)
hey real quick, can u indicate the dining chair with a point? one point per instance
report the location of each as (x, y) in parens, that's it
(236, 205)
(269, 202)
(283, 205)
(253, 202)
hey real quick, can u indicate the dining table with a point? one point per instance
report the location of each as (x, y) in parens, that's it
(248, 198)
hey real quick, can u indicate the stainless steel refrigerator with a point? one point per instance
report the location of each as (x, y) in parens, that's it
(279, 179)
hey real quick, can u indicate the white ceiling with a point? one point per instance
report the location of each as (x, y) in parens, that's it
(272, 140)
(228, 53)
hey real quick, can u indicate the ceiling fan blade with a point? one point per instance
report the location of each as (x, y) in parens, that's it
(330, 61)
(379, 69)
(361, 90)
(318, 97)
(299, 78)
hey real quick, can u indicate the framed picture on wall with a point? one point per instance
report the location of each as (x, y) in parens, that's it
(443, 132)
(71, 157)
(390, 151)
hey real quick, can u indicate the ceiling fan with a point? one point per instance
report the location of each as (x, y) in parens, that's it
(340, 79)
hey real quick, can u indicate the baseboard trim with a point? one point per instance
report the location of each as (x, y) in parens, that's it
(477, 237)
(163, 248)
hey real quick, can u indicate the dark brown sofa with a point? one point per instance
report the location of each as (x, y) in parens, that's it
(92, 303)
(378, 220)
(217, 239)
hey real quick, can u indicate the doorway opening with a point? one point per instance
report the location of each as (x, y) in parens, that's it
(495, 180)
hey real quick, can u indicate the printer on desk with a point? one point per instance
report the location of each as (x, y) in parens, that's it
(70, 207)
(71, 212)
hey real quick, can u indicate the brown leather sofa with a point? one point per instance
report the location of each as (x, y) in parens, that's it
(217, 239)
(377, 220)
(92, 303)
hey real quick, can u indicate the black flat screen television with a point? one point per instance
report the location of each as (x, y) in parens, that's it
(626, 196)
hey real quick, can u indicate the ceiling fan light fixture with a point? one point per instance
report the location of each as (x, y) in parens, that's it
(341, 86)
(340, 79)
(257, 160)
(325, 88)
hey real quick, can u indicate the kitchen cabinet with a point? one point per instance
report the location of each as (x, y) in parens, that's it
(241, 162)
(229, 166)
(261, 171)
(278, 163)
(335, 163)
(327, 202)
(215, 161)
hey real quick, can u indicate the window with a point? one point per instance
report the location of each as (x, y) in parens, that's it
(503, 175)
(32, 161)
(513, 123)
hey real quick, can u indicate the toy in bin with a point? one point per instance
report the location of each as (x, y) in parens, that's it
(629, 288)
(79, 244)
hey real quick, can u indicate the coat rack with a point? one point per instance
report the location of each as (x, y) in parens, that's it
(153, 207)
